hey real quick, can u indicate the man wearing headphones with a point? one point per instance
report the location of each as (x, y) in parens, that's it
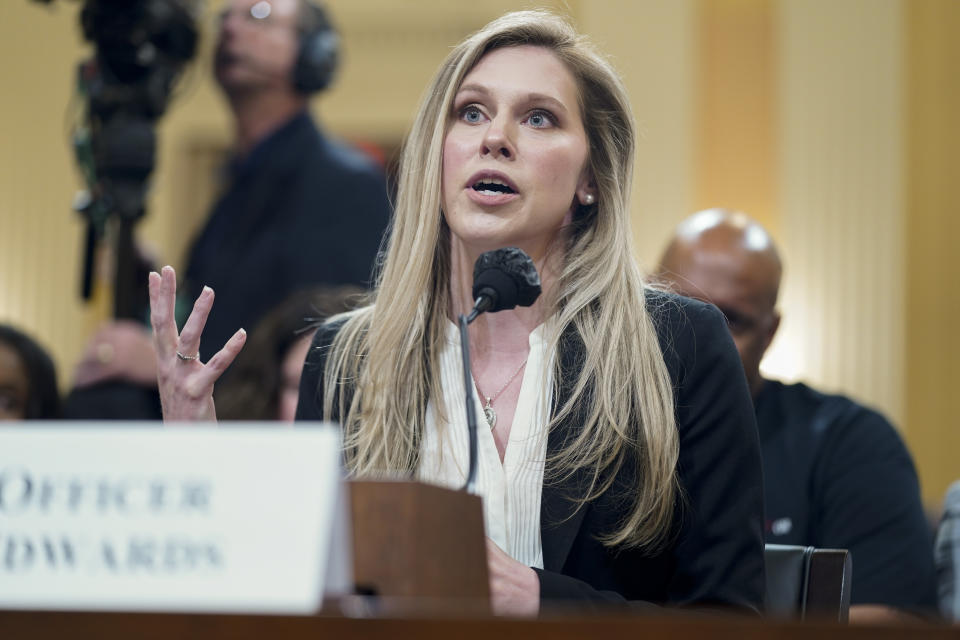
(299, 210)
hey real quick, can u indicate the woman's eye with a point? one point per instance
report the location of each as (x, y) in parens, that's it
(472, 115)
(540, 119)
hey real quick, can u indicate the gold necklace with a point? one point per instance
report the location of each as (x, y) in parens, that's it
(488, 412)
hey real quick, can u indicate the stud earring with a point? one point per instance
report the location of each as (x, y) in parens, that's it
(588, 199)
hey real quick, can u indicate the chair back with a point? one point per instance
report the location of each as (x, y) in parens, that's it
(806, 582)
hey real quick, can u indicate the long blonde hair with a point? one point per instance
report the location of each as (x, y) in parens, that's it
(380, 368)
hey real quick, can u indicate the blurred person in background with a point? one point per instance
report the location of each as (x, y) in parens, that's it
(264, 380)
(28, 378)
(300, 210)
(947, 555)
(836, 474)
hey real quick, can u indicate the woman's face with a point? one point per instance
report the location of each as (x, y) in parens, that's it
(14, 384)
(515, 155)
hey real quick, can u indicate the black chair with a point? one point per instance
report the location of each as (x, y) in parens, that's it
(804, 582)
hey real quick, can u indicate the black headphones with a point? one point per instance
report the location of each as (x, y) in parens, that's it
(319, 49)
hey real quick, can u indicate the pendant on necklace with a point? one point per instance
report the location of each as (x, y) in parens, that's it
(490, 414)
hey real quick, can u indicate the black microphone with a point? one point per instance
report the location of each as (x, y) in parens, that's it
(502, 279)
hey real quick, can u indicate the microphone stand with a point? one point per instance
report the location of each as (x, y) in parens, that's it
(471, 484)
(484, 302)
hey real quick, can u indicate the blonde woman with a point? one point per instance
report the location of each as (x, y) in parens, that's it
(622, 462)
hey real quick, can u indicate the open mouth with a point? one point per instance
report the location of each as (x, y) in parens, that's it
(491, 187)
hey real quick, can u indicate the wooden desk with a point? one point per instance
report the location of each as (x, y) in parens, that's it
(108, 626)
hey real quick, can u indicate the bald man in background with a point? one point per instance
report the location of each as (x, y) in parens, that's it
(836, 474)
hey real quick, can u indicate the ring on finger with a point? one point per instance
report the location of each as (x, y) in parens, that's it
(186, 358)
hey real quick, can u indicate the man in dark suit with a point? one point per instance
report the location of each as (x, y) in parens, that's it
(300, 209)
(836, 474)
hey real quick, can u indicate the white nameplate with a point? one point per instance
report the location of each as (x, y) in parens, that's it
(175, 518)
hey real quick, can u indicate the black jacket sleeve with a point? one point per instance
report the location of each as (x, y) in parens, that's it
(719, 550)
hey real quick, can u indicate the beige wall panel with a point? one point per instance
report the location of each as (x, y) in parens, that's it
(933, 272)
(40, 237)
(842, 194)
(651, 43)
(736, 160)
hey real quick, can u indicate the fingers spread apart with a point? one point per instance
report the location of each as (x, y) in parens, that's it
(201, 382)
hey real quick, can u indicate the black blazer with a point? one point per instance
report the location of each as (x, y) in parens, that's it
(714, 556)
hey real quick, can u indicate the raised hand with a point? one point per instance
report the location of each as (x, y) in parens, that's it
(185, 382)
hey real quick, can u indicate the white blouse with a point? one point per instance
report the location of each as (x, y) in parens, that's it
(510, 490)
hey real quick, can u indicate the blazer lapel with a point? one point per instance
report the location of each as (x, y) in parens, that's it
(560, 519)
